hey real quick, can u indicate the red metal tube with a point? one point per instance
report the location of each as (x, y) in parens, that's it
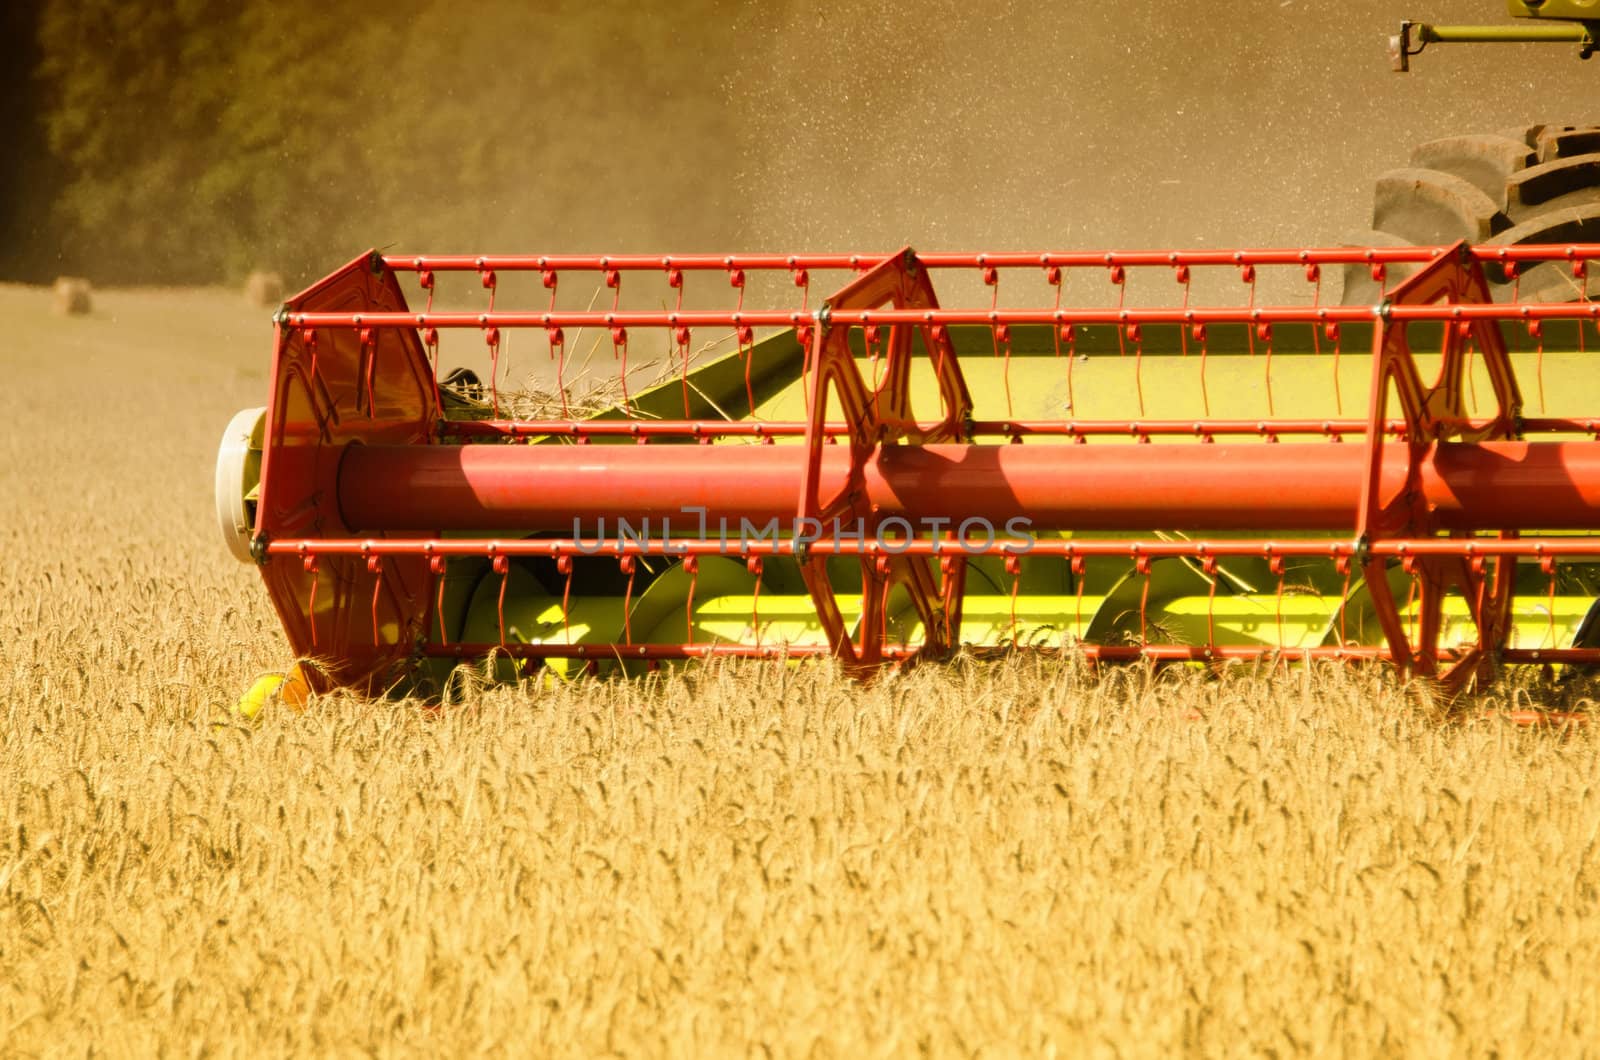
(650, 429)
(999, 260)
(1535, 548)
(1490, 485)
(643, 318)
(1108, 653)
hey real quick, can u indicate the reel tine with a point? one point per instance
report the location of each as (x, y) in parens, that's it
(1342, 566)
(375, 568)
(1547, 564)
(1182, 275)
(564, 566)
(502, 567)
(1276, 566)
(437, 565)
(1141, 565)
(430, 342)
(1263, 332)
(1331, 330)
(1078, 565)
(1208, 567)
(1014, 568)
(315, 570)
(692, 565)
(746, 338)
(947, 598)
(1536, 332)
(1069, 334)
(1410, 566)
(627, 564)
(368, 338)
(492, 337)
(619, 349)
(681, 338)
(558, 352)
(754, 565)
(1136, 338)
(1464, 335)
(1580, 272)
(308, 339)
(885, 587)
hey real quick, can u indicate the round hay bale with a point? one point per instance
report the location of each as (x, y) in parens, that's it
(264, 290)
(72, 296)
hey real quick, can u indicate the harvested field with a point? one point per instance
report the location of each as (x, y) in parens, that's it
(979, 859)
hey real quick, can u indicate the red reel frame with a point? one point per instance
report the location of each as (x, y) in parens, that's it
(359, 618)
(877, 418)
(1436, 414)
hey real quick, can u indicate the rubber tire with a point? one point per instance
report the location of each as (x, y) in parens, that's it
(1531, 184)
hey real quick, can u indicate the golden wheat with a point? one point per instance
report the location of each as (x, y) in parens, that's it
(997, 859)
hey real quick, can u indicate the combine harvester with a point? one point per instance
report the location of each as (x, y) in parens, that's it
(1186, 457)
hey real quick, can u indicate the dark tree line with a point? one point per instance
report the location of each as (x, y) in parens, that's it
(192, 141)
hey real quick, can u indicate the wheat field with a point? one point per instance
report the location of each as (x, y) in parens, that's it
(994, 860)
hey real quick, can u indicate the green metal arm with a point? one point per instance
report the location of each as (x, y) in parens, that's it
(1415, 36)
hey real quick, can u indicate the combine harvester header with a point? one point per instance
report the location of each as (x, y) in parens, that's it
(1091, 453)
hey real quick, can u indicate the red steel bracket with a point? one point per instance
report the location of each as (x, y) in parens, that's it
(1435, 414)
(335, 387)
(876, 418)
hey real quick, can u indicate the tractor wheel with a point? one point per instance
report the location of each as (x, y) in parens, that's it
(1534, 184)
